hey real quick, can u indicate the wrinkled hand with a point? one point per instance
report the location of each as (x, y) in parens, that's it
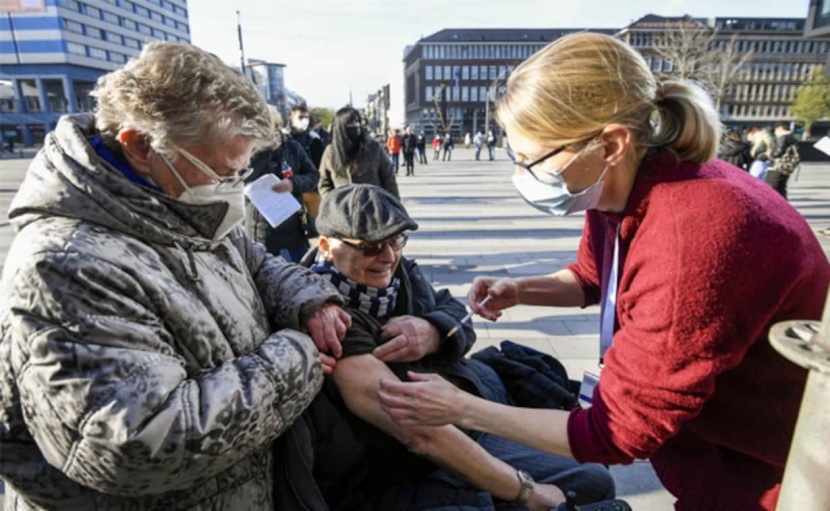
(406, 339)
(545, 497)
(285, 185)
(504, 293)
(429, 400)
(327, 327)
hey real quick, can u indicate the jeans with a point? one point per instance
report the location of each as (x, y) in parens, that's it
(490, 149)
(393, 158)
(422, 156)
(478, 152)
(447, 154)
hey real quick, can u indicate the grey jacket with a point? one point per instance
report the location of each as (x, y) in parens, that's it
(371, 166)
(142, 365)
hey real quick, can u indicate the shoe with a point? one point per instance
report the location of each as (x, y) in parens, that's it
(824, 232)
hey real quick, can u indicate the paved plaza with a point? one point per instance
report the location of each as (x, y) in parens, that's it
(472, 222)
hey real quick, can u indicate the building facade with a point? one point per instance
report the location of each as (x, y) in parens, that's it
(774, 54)
(452, 77)
(52, 56)
(376, 112)
(269, 79)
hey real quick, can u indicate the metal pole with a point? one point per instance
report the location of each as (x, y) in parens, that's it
(241, 48)
(14, 38)
(807, 344)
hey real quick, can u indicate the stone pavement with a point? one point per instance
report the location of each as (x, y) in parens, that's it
(472, 222)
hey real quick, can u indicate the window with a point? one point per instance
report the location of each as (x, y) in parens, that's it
(428, 93)
(474, 74)
(456, 93)
(129, 42)
(76, 49)
(493, 74)
(97, 53)
(465, 94)
(502, 72)
(73, 26)
(110, 17)
(145, 29)
(183, 27)
(155, 16)
(70, 4)
(473, 93)
(118, 57)
(128, 23)
(438, 74)
(113, 37)
(93, 12)
(656, 64)
(170, 22)
(447, 73)
(483, 72)
(126, 4)
(428, 72)
(667, 66)
(482, 93)
(142, 11)
(465, 73)
(456, 73)
(93, 32)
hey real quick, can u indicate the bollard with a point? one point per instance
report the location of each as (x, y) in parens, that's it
(807, 343)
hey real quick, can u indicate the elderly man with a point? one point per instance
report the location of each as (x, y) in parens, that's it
(401, 323)
(149, 352)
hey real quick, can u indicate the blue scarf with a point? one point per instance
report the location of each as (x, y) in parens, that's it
(376, 302)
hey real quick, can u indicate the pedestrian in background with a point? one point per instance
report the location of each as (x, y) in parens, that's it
(289, 162)
(691, 261)
(437, 143)
(468, 139)
(301, 132)
(784, 159)
(409, 143)
(479, 143)
(734, 150)
(394, 144)
(448, 147)
(491, 144)
(353, 157)
(150, 353)
(422, 148)
(759, 151)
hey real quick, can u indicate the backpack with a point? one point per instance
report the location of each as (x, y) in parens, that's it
(788, 162)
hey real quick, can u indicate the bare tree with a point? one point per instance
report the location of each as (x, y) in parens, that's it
(699, 52)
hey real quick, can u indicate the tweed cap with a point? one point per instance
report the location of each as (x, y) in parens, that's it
(362, 212)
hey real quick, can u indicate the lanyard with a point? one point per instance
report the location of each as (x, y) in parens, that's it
(609, 304)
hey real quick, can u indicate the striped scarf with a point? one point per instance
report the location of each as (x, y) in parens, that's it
(376, 302)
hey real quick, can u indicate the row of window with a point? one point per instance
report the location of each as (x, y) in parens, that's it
(744, 45)
(110, 17)
(452, 113)
(95, 53)
(753, 71)
(765, 92)
(467, 72)
(480, 51)
(462, 94)
(760, 111)
(112, 37)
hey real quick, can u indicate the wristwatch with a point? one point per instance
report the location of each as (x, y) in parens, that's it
(527, 483)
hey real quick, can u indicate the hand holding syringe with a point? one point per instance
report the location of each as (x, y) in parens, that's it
(465, 319)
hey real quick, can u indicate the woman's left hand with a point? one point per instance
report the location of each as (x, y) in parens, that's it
(428, 400)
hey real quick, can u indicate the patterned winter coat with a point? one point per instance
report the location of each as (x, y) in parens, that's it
(142, 365)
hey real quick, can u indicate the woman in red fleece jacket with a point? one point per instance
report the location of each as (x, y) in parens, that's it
(707, 259)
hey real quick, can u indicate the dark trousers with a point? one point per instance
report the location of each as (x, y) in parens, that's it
(422, 155)
(447, 154)
(409, 159)
(778, 181)
(394, 158)
(478, 152)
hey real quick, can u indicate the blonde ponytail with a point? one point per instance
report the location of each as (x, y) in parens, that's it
(687, 122)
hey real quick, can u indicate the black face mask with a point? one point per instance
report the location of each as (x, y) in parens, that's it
(353, 133)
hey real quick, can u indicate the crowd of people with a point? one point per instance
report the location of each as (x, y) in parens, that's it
(162, 346)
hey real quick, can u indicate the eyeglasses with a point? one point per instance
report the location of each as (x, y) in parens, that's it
(373, 249)
(231, 181)
(546, 177)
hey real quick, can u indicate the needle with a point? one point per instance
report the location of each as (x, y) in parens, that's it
(466, 318)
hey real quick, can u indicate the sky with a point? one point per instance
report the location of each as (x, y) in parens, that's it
(332, 47)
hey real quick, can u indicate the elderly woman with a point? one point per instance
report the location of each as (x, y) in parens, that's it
(149, 352)
(400, 323)
(287, 160)
(692, 261)
(353, 157)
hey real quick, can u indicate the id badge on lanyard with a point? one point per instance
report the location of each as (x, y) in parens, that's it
(608, 316)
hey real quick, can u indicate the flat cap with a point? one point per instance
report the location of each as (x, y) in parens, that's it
(362, 212)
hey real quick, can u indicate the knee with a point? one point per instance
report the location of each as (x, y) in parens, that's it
(592, 483)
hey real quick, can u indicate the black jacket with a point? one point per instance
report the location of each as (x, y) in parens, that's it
(290, 233)
(735, 152)
(410, 143)
(311, 143)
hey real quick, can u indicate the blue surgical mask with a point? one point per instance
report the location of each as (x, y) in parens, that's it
(554, 198)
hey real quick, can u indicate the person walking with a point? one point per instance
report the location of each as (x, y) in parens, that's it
(689, 379)
(422, 149)
(437, 143)
(409, 142)
(448, 147)
(353, 157)
(784, 159)
(479, 143)
(393, 145)
(468, 139)
(491, 144)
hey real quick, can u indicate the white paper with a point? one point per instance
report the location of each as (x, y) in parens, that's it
(823, 145)
(275, 207)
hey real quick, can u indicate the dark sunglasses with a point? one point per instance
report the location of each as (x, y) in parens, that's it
(373, 249)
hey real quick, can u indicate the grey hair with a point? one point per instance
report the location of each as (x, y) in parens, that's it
(182, 94)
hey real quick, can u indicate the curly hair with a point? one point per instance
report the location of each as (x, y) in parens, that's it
(182, 94)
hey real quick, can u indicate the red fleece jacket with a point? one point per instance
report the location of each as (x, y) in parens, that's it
(711, 257)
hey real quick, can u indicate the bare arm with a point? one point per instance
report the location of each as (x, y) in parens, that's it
(431, 400)
(358, 379)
